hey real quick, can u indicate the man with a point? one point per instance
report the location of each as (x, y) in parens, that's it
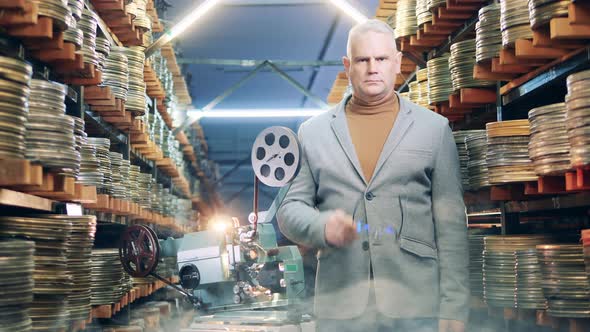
(379, 194)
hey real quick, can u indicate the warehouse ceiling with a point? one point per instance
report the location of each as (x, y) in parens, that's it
(292, 30)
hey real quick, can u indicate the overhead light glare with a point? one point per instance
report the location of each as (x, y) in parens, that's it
(349, 10)
(254, 113)
(191, 18)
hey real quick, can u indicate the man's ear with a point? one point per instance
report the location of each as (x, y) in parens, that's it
(346, 63)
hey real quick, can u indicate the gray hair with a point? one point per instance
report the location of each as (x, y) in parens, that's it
(372, 25)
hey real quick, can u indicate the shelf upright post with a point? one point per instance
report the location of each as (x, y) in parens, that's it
(510, 221)
(74, 101)
(498, 102)
(126, 149)
(11, 47)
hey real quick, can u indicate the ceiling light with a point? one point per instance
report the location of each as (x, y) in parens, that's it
(181, 26)
(254, 113)
(349, 10)
(191, 18)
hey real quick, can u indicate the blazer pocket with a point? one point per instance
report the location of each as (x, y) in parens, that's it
(402, 208)
(418, 248)
(417, 231)
(419, 152)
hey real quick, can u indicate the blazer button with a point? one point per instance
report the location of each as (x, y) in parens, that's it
(365, 245)
(369, 196)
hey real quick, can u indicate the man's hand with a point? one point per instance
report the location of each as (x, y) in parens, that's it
(445, 325)
(340, 230)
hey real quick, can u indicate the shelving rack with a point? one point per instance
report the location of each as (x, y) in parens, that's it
(27, 188)
(531, 74)
(23, 25)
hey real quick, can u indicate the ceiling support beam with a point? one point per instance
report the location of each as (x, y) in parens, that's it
(322, 54)
(234, 87)
(253, 63)
(231, 171)
(246, 188)
(265, 3)
(317, 100)
(189, 121)
(237, 193)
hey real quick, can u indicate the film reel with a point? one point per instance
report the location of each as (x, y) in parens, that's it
(139, 251)
(276, 156)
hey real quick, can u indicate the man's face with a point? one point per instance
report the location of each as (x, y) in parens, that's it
(373, 65)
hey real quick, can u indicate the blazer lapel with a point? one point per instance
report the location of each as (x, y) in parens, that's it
(340, 128)
(400, 128)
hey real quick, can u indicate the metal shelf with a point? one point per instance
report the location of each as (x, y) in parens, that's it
(484, 214)
(551, 77)
(477, 120)
(148, 166)
(138, 159)
(104, 128)
(102, 25)
(106, 231)
(13, 47)
(408, 80)
(580, 200)
(458, 35)
(72, 94)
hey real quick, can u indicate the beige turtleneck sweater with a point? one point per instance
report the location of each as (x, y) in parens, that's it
(369, 126)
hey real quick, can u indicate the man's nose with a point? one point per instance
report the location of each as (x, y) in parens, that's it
(372, 66)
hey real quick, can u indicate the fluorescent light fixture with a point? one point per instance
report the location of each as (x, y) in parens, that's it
(254, 113)
(194, 15)
(349, 10)
(181, 26)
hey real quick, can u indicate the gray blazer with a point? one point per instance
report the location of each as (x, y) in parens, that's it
(410, 216)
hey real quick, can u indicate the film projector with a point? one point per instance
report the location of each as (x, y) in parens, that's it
(236, 276)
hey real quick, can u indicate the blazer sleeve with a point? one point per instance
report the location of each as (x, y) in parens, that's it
(450, 222)
(297, 217)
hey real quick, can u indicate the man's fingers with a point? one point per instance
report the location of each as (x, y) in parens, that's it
(343, 238)
(346, 238)
(340, 229)
(352, 233)
(349, 233)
